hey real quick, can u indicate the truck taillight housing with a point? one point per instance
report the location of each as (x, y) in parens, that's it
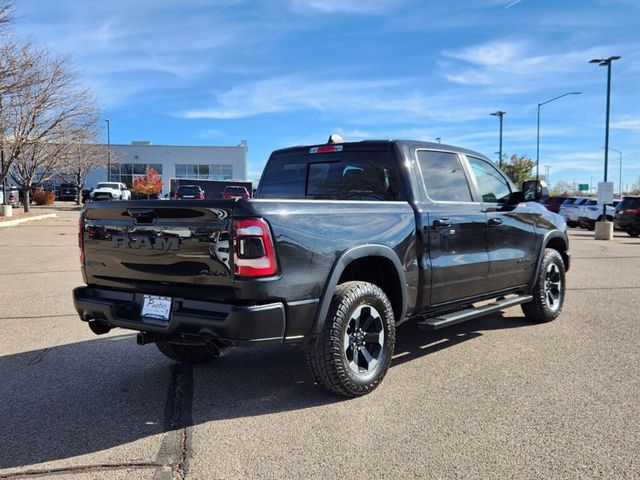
(253, 251)
(81, 238)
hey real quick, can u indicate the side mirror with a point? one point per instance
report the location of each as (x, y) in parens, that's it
(535, 191)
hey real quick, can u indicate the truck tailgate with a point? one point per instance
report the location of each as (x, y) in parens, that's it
(133, 244)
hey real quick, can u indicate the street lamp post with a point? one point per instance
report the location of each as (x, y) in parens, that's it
(108, 151)
(620, 174)
(606, 62)
(499, 114)
(538, 130)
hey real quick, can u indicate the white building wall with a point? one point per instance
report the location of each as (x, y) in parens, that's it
(168, 156)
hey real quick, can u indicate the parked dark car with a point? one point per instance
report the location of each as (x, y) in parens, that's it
(67, 191)
(628, 216)
(344, 242)
(189, 192)
(235, 191)
(553, 203)
(86, 194)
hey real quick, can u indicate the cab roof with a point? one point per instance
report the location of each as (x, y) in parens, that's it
(383, 145)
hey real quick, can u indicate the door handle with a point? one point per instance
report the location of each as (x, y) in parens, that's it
(442, 223)
(494, 222)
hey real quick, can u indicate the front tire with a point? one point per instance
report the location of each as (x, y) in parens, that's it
(187, 353)
(352, 354)
(548, 293)
(633, 233)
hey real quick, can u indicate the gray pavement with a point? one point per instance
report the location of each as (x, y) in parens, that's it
(494, 398)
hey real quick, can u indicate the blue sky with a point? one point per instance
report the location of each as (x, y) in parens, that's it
(287, 72)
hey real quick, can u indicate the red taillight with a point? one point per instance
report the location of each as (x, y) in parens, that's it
(81, 238)
(631, 211)
(201, 196)
(12, 196)
(326, 149)
(253, 252)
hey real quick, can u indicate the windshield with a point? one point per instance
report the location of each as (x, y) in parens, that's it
(113, 186)
(189, 190)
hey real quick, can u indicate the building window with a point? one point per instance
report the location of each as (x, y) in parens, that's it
(128, 172)
(204, 172)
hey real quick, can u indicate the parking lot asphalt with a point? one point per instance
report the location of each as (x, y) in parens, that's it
(497, 397)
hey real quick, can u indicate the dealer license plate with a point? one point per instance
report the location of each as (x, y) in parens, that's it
(155, 307)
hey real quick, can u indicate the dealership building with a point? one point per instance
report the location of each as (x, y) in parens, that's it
(173, 161)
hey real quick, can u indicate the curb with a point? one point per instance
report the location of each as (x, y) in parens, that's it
(18, 221)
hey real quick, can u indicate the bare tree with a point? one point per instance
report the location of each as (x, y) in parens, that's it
(81, 160)
(51, 115)
(6, 14)
(18, 72)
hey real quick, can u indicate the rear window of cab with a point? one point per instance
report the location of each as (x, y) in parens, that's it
(347, 175)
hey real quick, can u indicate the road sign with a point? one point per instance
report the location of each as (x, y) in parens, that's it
(583, 187)
(605, 192)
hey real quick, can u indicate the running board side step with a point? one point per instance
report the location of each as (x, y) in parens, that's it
(448, 319)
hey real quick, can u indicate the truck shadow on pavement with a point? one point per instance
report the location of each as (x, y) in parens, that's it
(87, 397)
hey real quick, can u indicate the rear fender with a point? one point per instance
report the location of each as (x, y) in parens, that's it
(339, 267)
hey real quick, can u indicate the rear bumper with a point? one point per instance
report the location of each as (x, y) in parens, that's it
(233, 324)
(627, 223)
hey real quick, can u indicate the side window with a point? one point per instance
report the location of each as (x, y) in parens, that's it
(443, 176)
(494, 188)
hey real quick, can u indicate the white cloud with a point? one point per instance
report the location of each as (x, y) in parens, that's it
(367, 7)
(627, 123)
(347, 97)
(515, 66)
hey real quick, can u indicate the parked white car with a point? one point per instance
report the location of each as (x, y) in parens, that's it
(591, 212)
(570, 210)
(110, 191)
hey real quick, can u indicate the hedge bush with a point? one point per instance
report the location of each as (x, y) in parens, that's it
(44, 198)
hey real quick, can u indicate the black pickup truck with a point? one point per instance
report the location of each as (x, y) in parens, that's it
(343, 243)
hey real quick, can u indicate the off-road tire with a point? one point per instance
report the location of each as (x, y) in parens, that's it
(539, 308)
(186, 353)
(326, 356)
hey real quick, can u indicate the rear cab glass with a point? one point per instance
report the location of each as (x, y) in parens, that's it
(338, 175)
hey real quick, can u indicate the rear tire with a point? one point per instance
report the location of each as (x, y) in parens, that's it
(548, 293)
(633, 233)
(187, 353)
(353, 352)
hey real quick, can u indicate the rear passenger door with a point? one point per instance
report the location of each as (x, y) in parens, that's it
(454, 230)
(511, 232)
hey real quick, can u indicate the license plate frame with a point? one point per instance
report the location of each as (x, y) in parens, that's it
(156, 308)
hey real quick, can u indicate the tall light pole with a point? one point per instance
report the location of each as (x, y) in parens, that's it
(547, 174)
(538, 130)
(620, 179)
(606, 62)
(108, 151)
(499, 114)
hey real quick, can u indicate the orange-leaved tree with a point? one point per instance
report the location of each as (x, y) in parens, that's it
(149, 184)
